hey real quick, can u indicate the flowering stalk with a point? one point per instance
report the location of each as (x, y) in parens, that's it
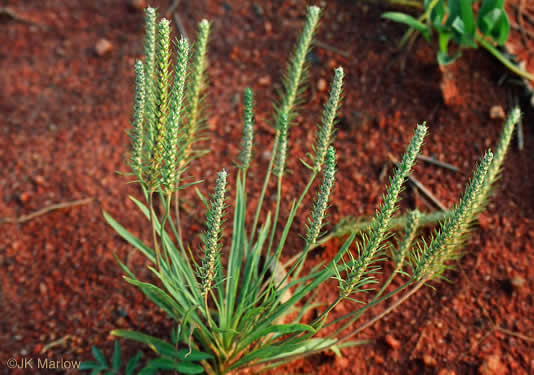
(150, 63)
(247, 142)
(325, 134)
(162, 98)
(170, 169)
(207, 272)
(430, 260)
(138, 133)
(358, 268)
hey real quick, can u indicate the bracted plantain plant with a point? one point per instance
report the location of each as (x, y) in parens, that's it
(236, 302)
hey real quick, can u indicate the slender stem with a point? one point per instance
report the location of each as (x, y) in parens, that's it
(278, 252)
(276, 212)
(177, 217)
(358, 330)
(359, 312)
(499, 56)
(154, 235)
(264, 188)
(385, 312)
(164, 220)
(386, 284)
(327, 311)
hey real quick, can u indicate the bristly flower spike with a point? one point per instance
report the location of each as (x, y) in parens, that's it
(297, 65)
(325, 133)
(150, 61)
(281, 150)
(171, 150)
(430, 260)
(323, 197)
(196, 84)
(247, 142)
(211, 260)
(381, 222)
(162, 93)
(498, 159)
(138, 133)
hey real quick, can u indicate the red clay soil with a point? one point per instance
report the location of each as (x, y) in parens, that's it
(65, 111)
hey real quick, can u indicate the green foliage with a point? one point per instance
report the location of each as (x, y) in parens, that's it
(169, 358)
(101, 365)
(239, 306)
(455, 20)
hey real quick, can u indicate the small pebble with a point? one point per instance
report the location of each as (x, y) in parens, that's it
(137, 4)
(103, 47)
(25, 196)
(321, 85)
(497, 113)
(445, 371)
(429, 360)
(265, 81)
(518, 282)
(392, 342)
(39, 180)
(492, 365)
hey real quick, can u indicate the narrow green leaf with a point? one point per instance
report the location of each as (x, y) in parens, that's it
(116, 360)
(89, 365)
(133, 363)
(189, 368)
(99, 356)
(159, 346)
(136, 242)
(407, 20)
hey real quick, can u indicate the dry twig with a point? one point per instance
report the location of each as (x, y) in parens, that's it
(42, 211)
(438, 163)
(421, 187)
(10, 13)
(330, 48)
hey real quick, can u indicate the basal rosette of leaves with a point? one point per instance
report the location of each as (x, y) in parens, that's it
(233, 301)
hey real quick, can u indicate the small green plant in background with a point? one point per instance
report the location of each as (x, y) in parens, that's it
(101, 365)
(239, 306)
(455, 20)
(182, 361)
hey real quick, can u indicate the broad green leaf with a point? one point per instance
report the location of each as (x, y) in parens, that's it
(189, 368)
(501, 29)
(487, 7)
(162, 364)
(192, 355)
(468, 18)
(489, 21)
(444, 59)
(437, 14)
